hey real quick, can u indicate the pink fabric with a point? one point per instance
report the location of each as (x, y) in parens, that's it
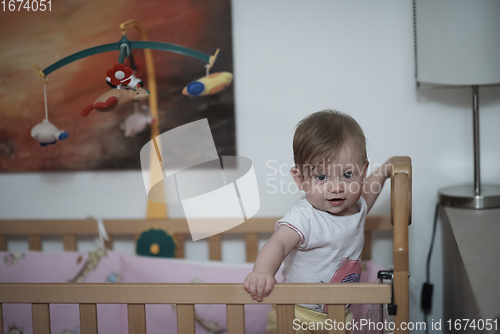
(37, 267)
(152, 270)
(367, 311)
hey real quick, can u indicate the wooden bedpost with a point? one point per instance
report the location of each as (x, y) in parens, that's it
(401, 218)
(153, 210)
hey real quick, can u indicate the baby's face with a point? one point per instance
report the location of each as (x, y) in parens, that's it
(335, 186)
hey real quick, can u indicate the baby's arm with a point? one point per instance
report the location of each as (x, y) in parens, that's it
(375, 182)
(260, 281)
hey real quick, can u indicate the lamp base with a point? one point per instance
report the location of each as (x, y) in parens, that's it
(465, 197)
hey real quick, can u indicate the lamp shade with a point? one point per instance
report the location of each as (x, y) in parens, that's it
(457, 42)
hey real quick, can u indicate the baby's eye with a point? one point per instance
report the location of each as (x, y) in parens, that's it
(321, 177)
(348, 175)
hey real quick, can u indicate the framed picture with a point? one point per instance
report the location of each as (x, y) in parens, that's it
(97, 142)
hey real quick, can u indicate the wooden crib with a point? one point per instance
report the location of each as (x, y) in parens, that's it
(185, 296)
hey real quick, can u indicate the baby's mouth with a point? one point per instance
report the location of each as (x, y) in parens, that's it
(336, 201)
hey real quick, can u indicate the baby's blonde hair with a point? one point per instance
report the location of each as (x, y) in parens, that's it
(322, 135)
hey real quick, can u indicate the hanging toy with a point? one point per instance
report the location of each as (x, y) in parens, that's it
(137, 72)
(134, 82)
(109, 101)
(210, 83)
(45, 132)
(137, 122)
(119, 74)
(114, 98)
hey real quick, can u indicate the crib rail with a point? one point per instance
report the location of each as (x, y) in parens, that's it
(71, 229)
(401, 209)
(185, 296)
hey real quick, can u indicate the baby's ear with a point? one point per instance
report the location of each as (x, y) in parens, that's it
(298, 178)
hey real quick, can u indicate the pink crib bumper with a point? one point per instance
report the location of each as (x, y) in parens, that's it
(95, 267)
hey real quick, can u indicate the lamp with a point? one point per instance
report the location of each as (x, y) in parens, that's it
(457, 45)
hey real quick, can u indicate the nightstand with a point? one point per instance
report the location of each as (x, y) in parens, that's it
(471, 265)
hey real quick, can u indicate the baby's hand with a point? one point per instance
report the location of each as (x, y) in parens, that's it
(259, 284)
(387, 168)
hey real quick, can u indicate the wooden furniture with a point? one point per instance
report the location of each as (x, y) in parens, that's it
(471, 262)
(88, 295)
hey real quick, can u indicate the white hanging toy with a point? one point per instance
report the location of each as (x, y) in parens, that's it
(137, 122)
(45, 132)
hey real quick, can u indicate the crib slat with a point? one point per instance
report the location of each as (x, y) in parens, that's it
(69, 242)
(252, 246)
(401, 286)
(41, 318)
(179, 246)
(401, 218)
(185, 319)
(88, 318)
(235, 315)
(35, 242)
(3, 245)
(136, 318)
(214, 250)
(284, 318)
(1, 319)
(337, 313)
(108, 244)
(401, 214)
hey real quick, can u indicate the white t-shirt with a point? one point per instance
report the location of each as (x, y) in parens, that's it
(330, 246)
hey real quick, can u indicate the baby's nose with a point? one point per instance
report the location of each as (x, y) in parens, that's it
(335, 187)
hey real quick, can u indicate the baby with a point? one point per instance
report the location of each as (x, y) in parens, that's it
(321, 236)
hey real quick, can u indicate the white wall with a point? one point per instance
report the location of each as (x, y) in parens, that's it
(293, 58)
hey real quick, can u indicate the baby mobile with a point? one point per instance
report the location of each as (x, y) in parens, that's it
(126, 88)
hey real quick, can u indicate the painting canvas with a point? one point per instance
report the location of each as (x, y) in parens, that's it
(96, 142)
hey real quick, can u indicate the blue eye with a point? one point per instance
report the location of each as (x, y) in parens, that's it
(348, 175)
(321, 177)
